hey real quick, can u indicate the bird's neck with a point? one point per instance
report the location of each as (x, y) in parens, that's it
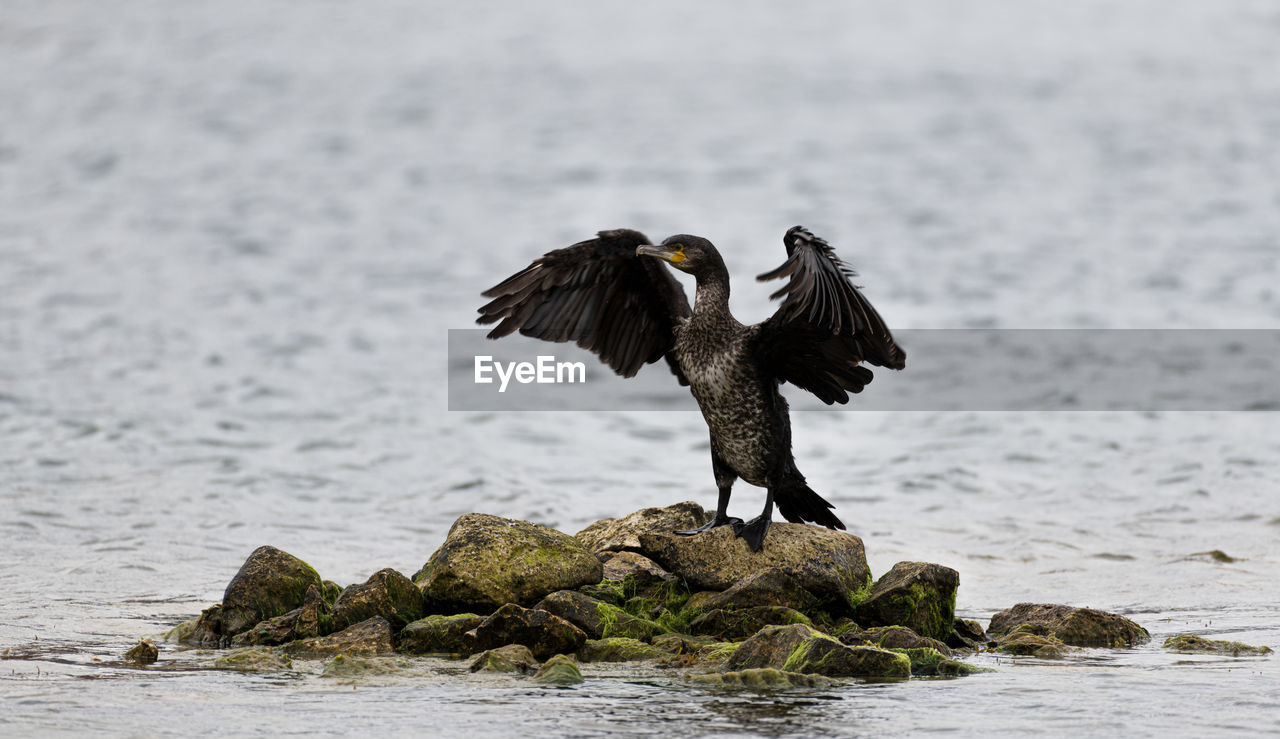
(712, 296)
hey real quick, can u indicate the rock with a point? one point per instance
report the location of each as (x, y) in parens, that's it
(142, 653)
(614, 534)
(967, 635)
(487, 561)
(893, 637)
(181, 633)
(739, 624)
(543, 633)
(1024, 642)
(618, 649)
(253, 659)
(204, 631)
(559, 670)
(330, 590)
(1192, 643)
(1080, 627)
(830, 565)
(511, 658)
(771, 587)
(439, 635)
(927, 662)
(918, 595)
(598, 620)
(799, 648)
(352, 668)
(618, 565)
(762, 679)
(313, 618)
(270, 583)
(371, 637)
(677, 644)
(386, 593)
(716, 654)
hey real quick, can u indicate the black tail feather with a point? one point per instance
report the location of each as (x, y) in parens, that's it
(798, 503)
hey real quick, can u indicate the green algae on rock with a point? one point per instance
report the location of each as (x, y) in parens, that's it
(597, 619)
(270, 583)
(892, 637)
(1078, 627)
(509, 658)
(742, 623)
(144, 652)
(253, 659)
(370, 637)
(347, 667)
(313, 618)
(439, 635)
(762, 678)
(918, 595)
(830, 565)
(544, 633)
(1189, 643)
(926, 662)
(488, 561)
(1026, 642)
(800, 648)
(558, 670)
(618, 649)
(386, 593)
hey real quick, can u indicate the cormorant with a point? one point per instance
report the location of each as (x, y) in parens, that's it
(605, 296)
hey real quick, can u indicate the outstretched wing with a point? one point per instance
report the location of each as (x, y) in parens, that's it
(596, 293)
(824, 328)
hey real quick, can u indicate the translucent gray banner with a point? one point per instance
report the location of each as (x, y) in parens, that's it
(947, 369)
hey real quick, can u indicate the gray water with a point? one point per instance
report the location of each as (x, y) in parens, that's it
(233, 237)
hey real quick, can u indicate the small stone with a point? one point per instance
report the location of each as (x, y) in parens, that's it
(1079, 627)
(918, 595)
(614, 534)
(439, 635)
(142, 653)
(270, 583)
(559, 670)
(511, 658)
(367, 638)
(544, 633)
(487, 561)
(1192, 643)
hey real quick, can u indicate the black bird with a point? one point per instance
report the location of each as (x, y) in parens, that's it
(631, 311)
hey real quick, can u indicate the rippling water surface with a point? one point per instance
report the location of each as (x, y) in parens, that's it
(233, 237)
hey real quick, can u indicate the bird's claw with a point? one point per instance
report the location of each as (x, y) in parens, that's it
(714, 523)
(753, 532)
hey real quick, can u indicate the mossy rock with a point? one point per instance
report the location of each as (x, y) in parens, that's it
(509, 658)
(618, 565)
(545, 634)
(144, 652)
(618, 649)
(346, 667)
(1078, 627)
(270, 583)
(926, 662)
(559, 670)
(367, 638)
(830, 565)
(892, 637)
(762, 679)
(742, 623)
(439, 635)
(1024, 641)
(597, 619)
(487, 561)
(615, 534)
(1190, 643)
(253, 659)
(800, 648)
(768, 587)
(386, 593)
(313, 618)
(918, 595)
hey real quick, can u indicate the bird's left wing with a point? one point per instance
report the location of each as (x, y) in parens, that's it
(824, 328)
(598, 294)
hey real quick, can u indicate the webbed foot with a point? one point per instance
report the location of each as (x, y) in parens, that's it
(754, 532)
(714, 523)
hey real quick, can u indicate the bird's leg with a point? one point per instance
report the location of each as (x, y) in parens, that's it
(721, 519)
(754, 531)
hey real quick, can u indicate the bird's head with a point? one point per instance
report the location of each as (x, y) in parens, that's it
(692, 254)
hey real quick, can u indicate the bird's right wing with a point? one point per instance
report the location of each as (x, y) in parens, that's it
(598, 294)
